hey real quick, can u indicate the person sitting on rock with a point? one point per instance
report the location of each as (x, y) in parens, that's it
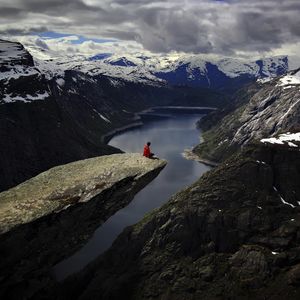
(147, 151)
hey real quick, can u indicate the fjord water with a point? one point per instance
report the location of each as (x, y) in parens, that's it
(169, 138)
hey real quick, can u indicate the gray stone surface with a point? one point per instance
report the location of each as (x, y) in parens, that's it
(66, 185)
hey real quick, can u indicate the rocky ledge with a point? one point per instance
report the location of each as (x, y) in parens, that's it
(48, 217)
(234, 234)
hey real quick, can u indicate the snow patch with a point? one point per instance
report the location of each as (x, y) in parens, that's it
(290, 79)
(261, 162)
(73, 91)
(104, 118)
(283, 139)
(11, 51)
(60, 81)
(18, 71)
(282, 200)
(115, 82)
(101, 116)
(26, 99)
(287, 203)
(292, 144)
(264, 80)
(222, 142)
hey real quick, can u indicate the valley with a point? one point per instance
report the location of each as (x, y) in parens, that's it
(75, 197)
(168, 135)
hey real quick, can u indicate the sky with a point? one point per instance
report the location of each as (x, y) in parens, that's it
(237, 28)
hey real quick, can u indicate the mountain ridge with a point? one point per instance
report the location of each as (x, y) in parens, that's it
(184, 69)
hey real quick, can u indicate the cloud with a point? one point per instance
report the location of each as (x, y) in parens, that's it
(199, 26)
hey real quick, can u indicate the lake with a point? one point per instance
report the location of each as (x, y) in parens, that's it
(169, 137)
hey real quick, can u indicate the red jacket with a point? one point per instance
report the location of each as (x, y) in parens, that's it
(147, 151)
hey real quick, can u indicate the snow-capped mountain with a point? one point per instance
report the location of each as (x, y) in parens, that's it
(16, 68)
(194, 71)
(171, 69)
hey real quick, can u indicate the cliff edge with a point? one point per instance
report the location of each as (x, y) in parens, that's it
(50, 216)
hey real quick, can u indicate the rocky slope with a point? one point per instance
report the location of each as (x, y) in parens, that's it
(234, 234)
(50, 216)
(274, 108)
(51, 116)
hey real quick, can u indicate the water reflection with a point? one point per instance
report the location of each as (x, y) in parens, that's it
(169, 137)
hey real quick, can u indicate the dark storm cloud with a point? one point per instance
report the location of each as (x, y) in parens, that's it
(122, 35)
(25, 31)
(202, 26)
(10, 11)
(56, 6)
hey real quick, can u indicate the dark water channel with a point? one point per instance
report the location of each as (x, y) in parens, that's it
(169, 137)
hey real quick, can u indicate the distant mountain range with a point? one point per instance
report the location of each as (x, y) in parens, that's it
(173, 69)
(193, 71)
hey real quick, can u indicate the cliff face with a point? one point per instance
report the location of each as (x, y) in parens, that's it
(233, 234)
(273, 109)
(50, 216)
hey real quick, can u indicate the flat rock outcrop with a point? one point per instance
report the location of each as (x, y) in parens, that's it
(48, 217)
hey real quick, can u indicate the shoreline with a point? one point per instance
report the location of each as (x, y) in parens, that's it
(190, 155)
(108, 136)
(137, 117)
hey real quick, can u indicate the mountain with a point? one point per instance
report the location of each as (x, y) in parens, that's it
(221, 74)
(224, 74)
(193, 70)
(100, 56)
(233, 234)
(196, 72)
(51, 115)
(266, 109)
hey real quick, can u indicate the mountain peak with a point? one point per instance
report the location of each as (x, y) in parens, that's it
(13, 53)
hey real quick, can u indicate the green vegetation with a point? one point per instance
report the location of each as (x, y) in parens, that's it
(216, 145)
